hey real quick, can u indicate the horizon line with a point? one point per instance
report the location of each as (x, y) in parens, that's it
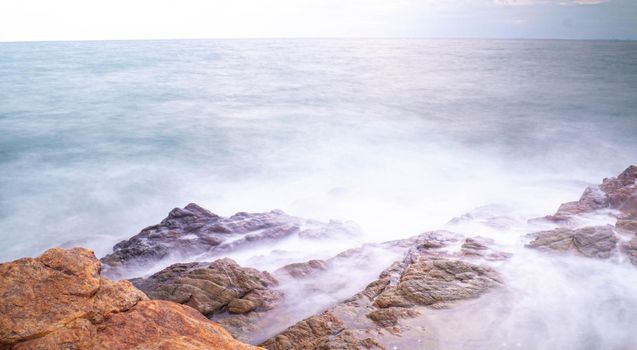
(325, 38)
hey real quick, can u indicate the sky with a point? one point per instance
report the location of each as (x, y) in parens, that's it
(41, 20)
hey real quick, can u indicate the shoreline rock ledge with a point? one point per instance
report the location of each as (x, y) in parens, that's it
(60, 301)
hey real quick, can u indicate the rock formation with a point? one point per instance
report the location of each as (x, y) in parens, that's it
(194, 230)
(591, 241)
(479, 247)
(426, 277)
(234, 296)
(59, 301)
(616, 193)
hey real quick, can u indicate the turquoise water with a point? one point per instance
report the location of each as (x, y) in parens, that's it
(100, 139)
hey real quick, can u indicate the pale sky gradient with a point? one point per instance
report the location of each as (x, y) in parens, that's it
(25, 20)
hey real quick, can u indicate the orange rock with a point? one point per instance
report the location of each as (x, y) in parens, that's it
(59, 301)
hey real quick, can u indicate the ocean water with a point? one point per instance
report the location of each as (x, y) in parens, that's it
(100, 139)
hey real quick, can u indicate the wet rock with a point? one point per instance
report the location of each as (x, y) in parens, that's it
(222, 290)
(241, 306)
(618, 193)
(210, 287)
(627, 223)
(310, 333)
(389, 316)
(479, 247)
(351, 339)
(60, 301)
(592, 242)
(434, 281)
(194, 230)
(304, 269)
(426, 277)
(630, 249)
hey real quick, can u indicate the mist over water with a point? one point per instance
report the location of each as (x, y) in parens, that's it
(101, 139)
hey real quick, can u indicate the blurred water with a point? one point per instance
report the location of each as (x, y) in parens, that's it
(100, 139)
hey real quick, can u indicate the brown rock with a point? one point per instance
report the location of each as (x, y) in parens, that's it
(630, 249)
(619, 193)
(592, 241)
(426, 277)
(234, 296)
(479, 247)
(209, 287)
(240, 306)
(59, 301)
(389, 316)
(627, 224)
(350, 340)
(432, 281)
(304, 269)
(310, 333)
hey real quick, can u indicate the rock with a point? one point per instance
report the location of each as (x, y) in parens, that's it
(389, 316)
(627, 223)
(618, 193)
(479, 247)
(350, 339)
(304, 269)
(622, 191)
(426, 277)
(592, 241)
(310, 333)
(193, 230)
(234, 296)
(433, 281)
(210, 287)
(241, 306)
(164, 325)
(630, 249)
(60, 301)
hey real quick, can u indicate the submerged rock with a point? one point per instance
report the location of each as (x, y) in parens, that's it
(60, 301)
(479, 247)
(304, 269)
(592, 241)
(194, 230)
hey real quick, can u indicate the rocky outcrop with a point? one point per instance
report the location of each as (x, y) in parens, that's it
(426, 277)
(435, 282)
(592, 241)
(304, 269)
(211, 287)
(234, 296)
(194, 230)
(617, 193)
(630, 249)
(617, 196)
(60, 301)
(480, 247)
